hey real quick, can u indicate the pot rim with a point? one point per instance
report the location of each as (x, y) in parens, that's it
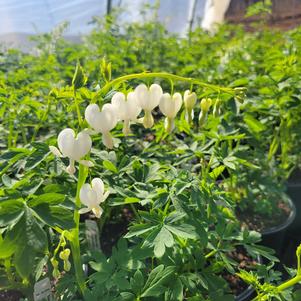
(245, 294)
(286, 223)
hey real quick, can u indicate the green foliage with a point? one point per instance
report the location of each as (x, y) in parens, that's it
(181, 191)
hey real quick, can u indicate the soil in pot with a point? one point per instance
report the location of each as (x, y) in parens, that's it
(273, 229)
(238, 287)
(10, 295)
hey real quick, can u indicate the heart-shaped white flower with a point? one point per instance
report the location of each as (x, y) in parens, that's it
(127, 109)
(92, 196)
(73, 147)
(170, 106)
(102, 121)
(148, 99)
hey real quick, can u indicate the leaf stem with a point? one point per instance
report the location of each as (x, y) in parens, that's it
(79, 117)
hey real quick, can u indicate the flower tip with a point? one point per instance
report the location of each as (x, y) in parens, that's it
(86, 163)
(55, 151)
(70, 169)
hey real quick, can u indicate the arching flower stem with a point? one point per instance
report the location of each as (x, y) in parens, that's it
(104, 90)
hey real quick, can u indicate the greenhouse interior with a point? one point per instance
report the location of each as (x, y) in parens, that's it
(150, 150)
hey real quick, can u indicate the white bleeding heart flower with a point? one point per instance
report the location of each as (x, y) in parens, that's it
(127, 109)
(92, 196)
(102, 121)
(190, 99)
(170, 106)
(74, 147)
(148, 99)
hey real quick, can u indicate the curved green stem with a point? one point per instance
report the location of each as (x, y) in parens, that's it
(79, 117)
(74, 239)
(163, 75)
(210, 254)
(287, 284)
(280, 288)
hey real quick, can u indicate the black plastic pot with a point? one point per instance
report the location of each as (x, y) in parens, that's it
(246, 295)
(294, 191)
(274, 237)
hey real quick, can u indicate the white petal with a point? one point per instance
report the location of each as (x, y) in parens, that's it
(142, 95)
(84, 210)
(89, 131)
(170, 106)
(177, 98)
(133, 106)
(71, 168)
(98, 187)
(107, 140)
(97, 210)
(88, 196)
(55, 151)
(105, 196)
(82, 146)
(86, 163)
(148, 99)
(65, 142)
(102, 121)
(91, 114)
(155, 94)
(118, 101)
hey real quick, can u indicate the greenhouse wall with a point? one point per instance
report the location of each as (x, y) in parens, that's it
(281, 9)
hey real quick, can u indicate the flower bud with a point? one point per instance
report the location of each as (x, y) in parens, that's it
(56, 273)
(206, 104)
(202, 118)
(106, 70)
(54, 262)
(64, 255)
(240, 94)
(190, 99)
(67, 265)
(217, 108)
(79, 78)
